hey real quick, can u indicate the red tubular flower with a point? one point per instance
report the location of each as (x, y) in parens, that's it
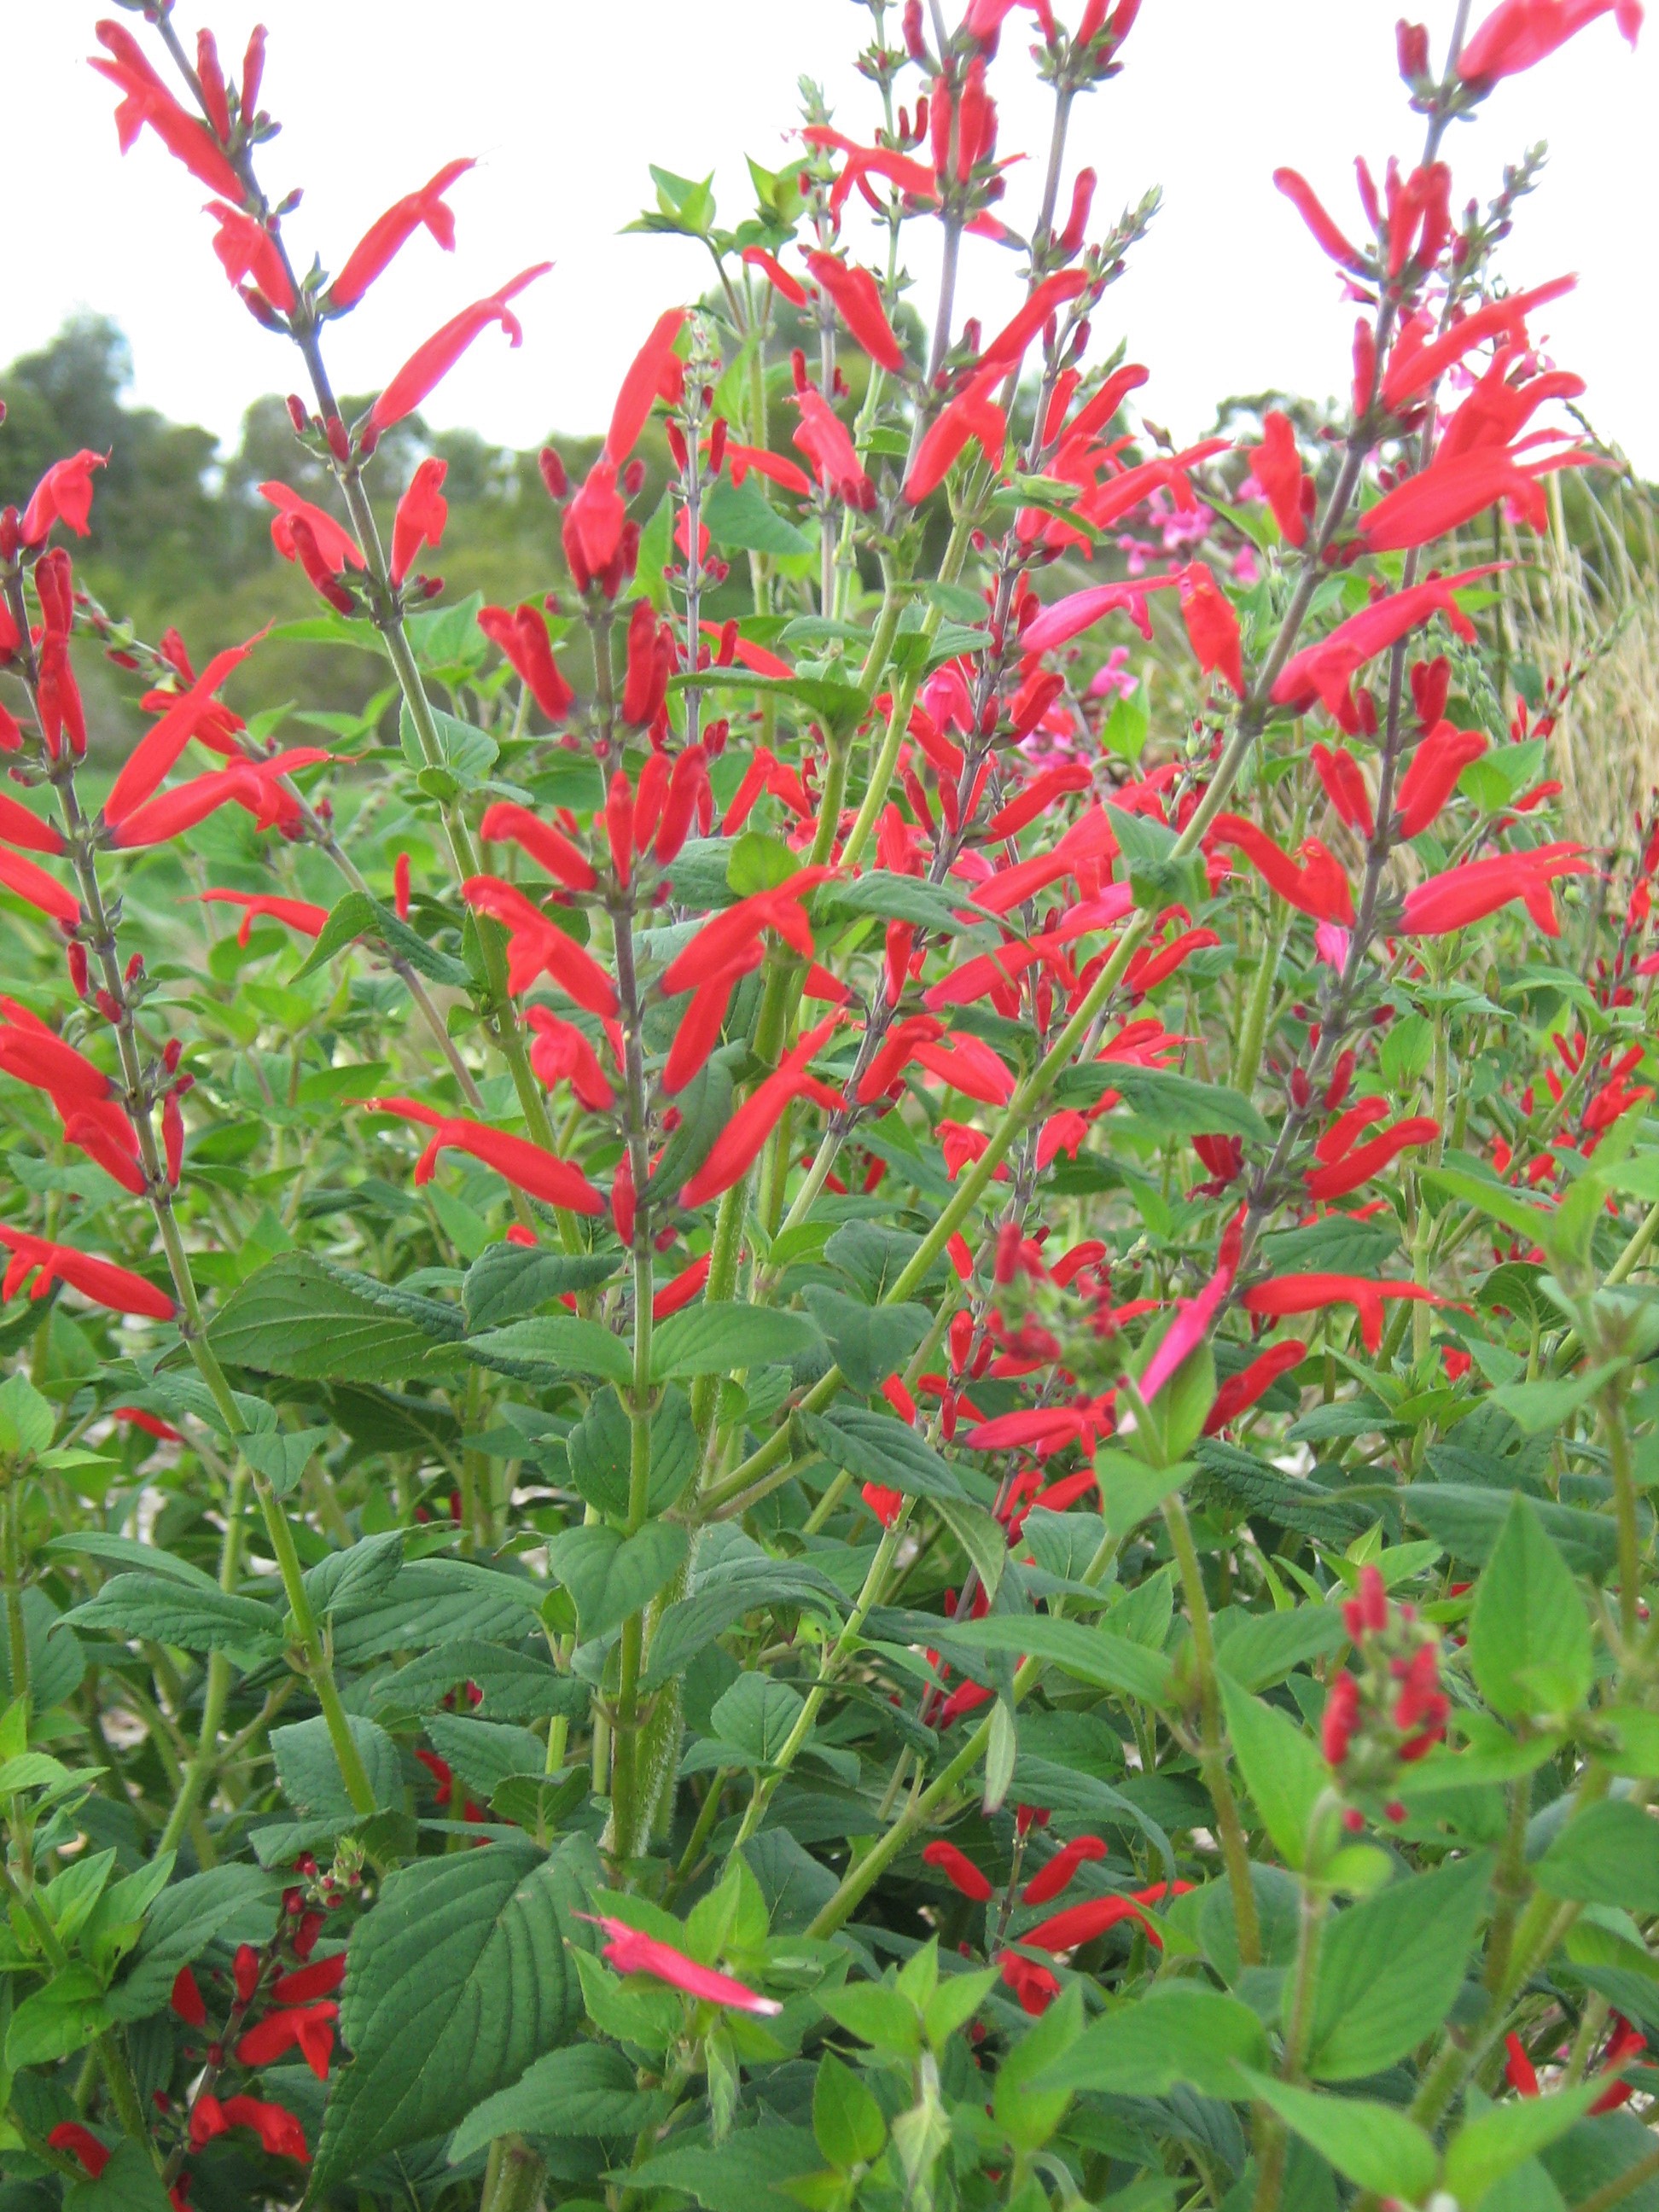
(1081, 1923)
(681, 1289)
(1300, 1294)
(1308, 204)
(1436, 765)
(525, 1166)
(83, 2146)
(1067, 618)
(1359, 1165)
(82, 1094)
(258, 906)
(1193, 1318)
(1061, 1870)
(757, 257)
(959, 1870)
(504, 822)
(40, 890)
(1520, 33)
(99, 1280)
(1337, 1724)
(1316, 884)
(631, 1953)
(389, 233)
(311, 2026)
(858, 297)
(522, 637)
(704, 1018)
(431, 362)
(1276, 465)
(1622, 2047)
(822, 436)
(536, 946)
(421, 513)
(972, 415)
(187, 2000)
(1033, 1985)
(1420, 357)
(1240, 1392)
(146, 100)
(1323, 671)
(1453, 491)
(1468, 893)
(619, 823)
(739, 1143)
(1212, 625)
(562, 1054)
(279, 2132)
(741, 458)
(338, 548)
(640, 388)
(886, 1506)
(157, 751)
(1345, 786)
(1008, 347)
(650, 663)
(1038, 796)
(246, 248)
(188, 804)
(593, 524)
(688, 787)
(1518, 2070)
(727, 935)
(63, 495)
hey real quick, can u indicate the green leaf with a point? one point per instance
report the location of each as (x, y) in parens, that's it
(1529, 1636)
(1607, 1854)
(586, 2089)
(1026, 2103)
(725, 1338)
(551, 1348)
(465, 754)
(363, 1571)
(1546, 1407)
(456, 1979)
(877, 2013)
(436, 1602)
(129, 2183)
(890, 897)
(509, 1281)
(167, 1611)
(1177, 1105)
(748, 2173)
(1087, 1655)
(1495, 1200)
(27, 1420)
(484, 1754)
(741, 519)
(1372, 2145)
(869, 1343)
(755, 1717)
(1487, 2148)
(298, 1316)
(1468, 1520)
(1259, 1648)
(981, 1535)
(1389, 1969)
(310, 1774)
(1282, 1768)
(601, 1443)
(358, 915)
(879, 1448)
(281, 1456)
(1179, 2032)
(62, 2018)
(233, 1903)
(611, 1576)
(845, 2118)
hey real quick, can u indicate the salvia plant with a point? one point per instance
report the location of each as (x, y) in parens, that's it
(827, 1384)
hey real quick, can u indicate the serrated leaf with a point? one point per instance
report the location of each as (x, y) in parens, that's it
(1087, 1655)
(298, 1316)
(506, 1281)
(1390, 1967)
(1179, 2033)
(611, 1576)
(586, 2089)
(456, 1979)
(1372, 2145)
(879, 1448)
(1529, 1636)
(552, 1348)
(167, 1611)
(725, 1338)
(1282, 1768)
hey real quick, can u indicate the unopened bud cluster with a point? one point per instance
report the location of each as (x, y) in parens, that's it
(1388, 1709)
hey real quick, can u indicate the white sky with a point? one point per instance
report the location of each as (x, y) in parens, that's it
(564, 101)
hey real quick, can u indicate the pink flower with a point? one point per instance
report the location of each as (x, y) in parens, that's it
(1330, 942)
(631, 1952)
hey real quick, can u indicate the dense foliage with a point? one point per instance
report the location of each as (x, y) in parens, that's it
(823, 1391)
